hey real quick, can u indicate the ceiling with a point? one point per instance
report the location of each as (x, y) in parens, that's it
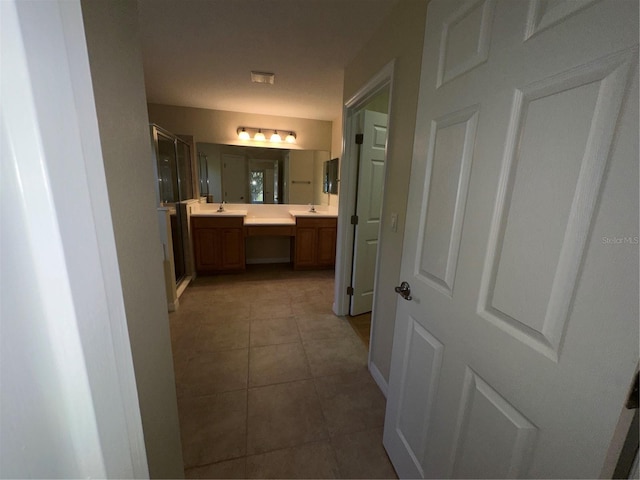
(199, 53)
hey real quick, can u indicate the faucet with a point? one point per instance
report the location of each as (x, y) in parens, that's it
(221, 208)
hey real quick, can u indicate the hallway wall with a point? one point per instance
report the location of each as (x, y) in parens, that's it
(400, 37)
(116, 70)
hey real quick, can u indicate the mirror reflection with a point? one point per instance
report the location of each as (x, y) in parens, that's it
(239, 174)
(330, 176)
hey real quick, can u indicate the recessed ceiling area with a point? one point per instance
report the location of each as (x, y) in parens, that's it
(200, 53)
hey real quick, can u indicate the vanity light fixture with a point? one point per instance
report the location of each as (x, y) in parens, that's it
(243, 134)
(258, 135)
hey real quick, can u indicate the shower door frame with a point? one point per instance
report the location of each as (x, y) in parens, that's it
(183, 223)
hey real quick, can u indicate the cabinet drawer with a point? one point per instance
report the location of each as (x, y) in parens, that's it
(271, 230)
(316, 222)
(217, 222)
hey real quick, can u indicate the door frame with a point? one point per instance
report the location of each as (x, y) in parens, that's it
(68, 215)
(348, 191)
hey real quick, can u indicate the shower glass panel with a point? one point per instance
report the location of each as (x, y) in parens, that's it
(185, 180)
(173, 165)
(167, 170)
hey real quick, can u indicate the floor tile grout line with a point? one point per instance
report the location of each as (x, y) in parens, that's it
(322, 410)
(255, 387)
(298, 310)
(246, 423)
(284, 382)
(328, 440)
(246, 456)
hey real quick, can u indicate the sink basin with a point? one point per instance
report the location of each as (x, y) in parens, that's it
(307, 213)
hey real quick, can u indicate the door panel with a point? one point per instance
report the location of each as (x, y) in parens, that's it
(326, 245)
(417, 387)
(448, 170)
(521, 242)
(207, 248)
(232, 240)
(466, 34)
(306, 246)
(483, 414)
(552, 179)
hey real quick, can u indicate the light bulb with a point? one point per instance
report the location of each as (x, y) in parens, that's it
(259, 136)
(291, 138)
(243, 134)
(275, 138)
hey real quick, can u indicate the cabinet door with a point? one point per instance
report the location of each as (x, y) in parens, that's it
(232, 240)
(306, 239)
(207, 249)
(326, 255)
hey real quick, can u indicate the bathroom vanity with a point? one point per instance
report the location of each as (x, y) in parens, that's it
(218, 243)
(315, 242)
(219, 238)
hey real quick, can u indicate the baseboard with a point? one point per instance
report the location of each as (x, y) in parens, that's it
(173, 306)
(257, 261)
(184, 283)
(377, 376)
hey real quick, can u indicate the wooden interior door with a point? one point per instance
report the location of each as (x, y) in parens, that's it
(514, 354)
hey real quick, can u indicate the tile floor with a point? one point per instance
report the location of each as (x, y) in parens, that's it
(271, 384)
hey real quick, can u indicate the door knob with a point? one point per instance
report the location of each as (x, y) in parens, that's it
(405, 290)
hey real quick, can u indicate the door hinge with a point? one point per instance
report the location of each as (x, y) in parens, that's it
(350, 291)
(354, 219)
(359, 138)
(633, 399)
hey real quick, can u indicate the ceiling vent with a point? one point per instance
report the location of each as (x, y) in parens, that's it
(263, 77)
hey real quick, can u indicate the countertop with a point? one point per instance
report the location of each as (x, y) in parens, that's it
(307, 213)
(284, 217)
(214, 213)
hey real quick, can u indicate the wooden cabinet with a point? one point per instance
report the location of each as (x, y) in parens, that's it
(218, 244)
(315, 243)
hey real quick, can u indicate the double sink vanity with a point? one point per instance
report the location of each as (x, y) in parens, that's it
(220, 237)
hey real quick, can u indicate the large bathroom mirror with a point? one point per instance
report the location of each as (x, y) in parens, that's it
(239, 174)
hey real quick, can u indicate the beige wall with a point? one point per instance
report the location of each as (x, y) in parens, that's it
(400, 37)
(217, 126)
(116, 70)
(301, 170)
(379, 103)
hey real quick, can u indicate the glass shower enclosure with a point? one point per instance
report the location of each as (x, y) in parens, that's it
(174, 187)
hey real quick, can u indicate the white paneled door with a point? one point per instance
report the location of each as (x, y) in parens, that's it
(514, 355)
(368, 209)
(234, 179)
